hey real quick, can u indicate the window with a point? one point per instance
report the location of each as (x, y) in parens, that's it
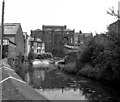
(71, 40)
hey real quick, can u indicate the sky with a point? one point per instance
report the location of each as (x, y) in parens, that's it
(85, 15)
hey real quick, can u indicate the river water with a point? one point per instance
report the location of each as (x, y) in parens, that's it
(57, 85)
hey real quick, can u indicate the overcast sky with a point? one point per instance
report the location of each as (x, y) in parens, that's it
(85, 15)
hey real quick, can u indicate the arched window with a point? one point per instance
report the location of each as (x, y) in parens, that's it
(65, 40)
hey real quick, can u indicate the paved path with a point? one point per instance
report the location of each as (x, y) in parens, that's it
(12, 87)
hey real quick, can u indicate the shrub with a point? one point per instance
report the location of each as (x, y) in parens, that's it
(103, 54)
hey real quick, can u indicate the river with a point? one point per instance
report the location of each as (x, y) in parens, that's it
(57, 85)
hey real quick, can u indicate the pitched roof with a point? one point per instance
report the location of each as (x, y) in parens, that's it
(11, 28)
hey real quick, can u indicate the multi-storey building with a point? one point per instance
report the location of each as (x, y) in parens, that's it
(82, 38)
(13, 32)
(37, 46)
(54, 37)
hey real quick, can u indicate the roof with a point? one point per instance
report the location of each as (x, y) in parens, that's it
(87, 34)
(68, 30)
(9, 41)
(53, 27)
(11, 28)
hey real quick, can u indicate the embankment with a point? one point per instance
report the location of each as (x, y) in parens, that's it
(12, 87)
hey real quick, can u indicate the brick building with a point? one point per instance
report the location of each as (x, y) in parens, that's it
(54, 37)
(13, 32)
(82, 38)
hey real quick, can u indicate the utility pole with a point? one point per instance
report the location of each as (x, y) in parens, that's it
(2, 26)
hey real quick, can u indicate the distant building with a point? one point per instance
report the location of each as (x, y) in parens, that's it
(37, 46)
(82, 38)
(13, 32)
(53, 27)
(86, 37)
(76, 41)
(114, 27)
(54, 37)
(79, 39)
(25, 44)
(28, 47)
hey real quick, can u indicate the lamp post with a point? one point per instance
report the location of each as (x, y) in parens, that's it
(2, 26)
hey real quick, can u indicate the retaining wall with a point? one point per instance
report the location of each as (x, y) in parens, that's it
(12, 87)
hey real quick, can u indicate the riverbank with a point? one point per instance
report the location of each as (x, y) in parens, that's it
(99, 59)
(47, 77)
(57, 85)
(90, 73)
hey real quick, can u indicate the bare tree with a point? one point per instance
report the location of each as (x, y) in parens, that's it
(112, 13)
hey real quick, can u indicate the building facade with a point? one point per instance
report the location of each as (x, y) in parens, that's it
(9, 49)
(13, 32)
(54, 37)
(37, 46)
(82, 38)
(114, 27)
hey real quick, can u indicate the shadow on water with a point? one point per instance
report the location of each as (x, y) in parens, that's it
(56, 85)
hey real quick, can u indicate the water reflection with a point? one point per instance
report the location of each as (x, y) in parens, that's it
(56, 85)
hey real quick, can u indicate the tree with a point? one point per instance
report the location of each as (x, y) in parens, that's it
(112, 13)
(31, 56)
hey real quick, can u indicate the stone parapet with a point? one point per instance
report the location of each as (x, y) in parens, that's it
(12, 87)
